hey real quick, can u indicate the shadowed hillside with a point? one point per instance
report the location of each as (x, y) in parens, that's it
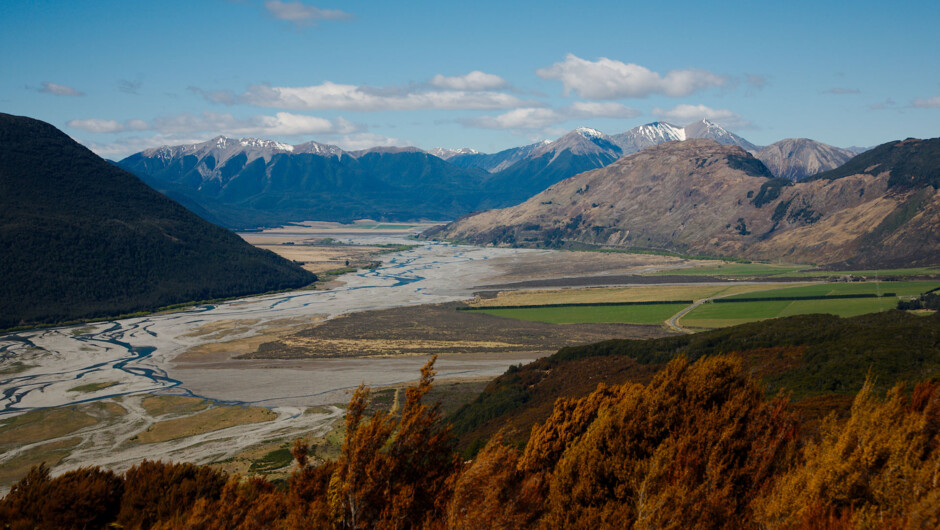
(81, 238)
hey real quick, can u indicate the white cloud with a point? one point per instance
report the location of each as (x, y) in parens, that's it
(300, 14)
(929, 103)
(684, 114)
(540, 118)
(58, 90)
(334, 96)
(355, 142)
(123, 147)
(524, 118)
(475, 80)
(586, 109)
(280, 124)
(97, 126)
(611, 79)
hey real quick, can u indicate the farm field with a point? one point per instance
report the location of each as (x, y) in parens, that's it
(596, 295)
(908, 288)
(723, 312)
(715, 315)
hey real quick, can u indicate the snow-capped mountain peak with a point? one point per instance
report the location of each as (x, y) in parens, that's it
(588, 132)
(445, 153)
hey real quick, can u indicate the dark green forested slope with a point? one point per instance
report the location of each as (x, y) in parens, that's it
(81, 238)
(817, 359)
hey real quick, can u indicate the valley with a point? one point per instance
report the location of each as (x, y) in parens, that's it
(104, 371)
(253, 374)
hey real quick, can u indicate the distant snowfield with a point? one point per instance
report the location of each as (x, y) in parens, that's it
(138, 353)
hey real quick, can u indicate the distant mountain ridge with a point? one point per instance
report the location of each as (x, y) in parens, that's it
(81, 238)
(249, 182)
(881, 209)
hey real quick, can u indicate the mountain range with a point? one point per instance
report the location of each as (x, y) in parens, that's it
(81, 238)
(252, 182)
(700, 197)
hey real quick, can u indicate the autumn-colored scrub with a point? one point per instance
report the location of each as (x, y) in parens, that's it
(692, 448)
(879, 469)
(698, 446)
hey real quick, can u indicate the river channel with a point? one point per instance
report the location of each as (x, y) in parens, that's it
(44, 366)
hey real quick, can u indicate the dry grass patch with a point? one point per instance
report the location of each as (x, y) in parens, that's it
(272, 330)
(47, 424)
(346, 347)
(175, 405)
(93, 387)
(51, 453)
(221, 328)
(214, 419)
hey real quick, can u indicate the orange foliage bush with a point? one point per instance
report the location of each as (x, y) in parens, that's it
(692, 449)
(493, 493)
(880, 468)
(393, 474)
(155, 491)
(698, 447)
(84, 498)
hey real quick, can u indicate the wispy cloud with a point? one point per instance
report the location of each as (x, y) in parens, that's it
(887, 104)
(129, 87)
(842, 91)
(59, 90)
(928, 103)
(756, 81)
(539, 118)
(684, 114)
(475, 80)
(335, 96)
(611, 79)
(301, 14)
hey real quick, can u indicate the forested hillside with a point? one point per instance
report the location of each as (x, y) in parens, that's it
(81, 238)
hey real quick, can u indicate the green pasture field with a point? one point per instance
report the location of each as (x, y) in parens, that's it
(908, 288)
(715, 315)
(633, 314)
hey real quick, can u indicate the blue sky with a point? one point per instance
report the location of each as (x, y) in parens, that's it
(123, 76)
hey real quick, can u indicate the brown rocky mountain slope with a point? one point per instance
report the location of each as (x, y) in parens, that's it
(798, 158)
(702, 198)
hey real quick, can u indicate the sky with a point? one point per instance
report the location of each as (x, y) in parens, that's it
(121, 76)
